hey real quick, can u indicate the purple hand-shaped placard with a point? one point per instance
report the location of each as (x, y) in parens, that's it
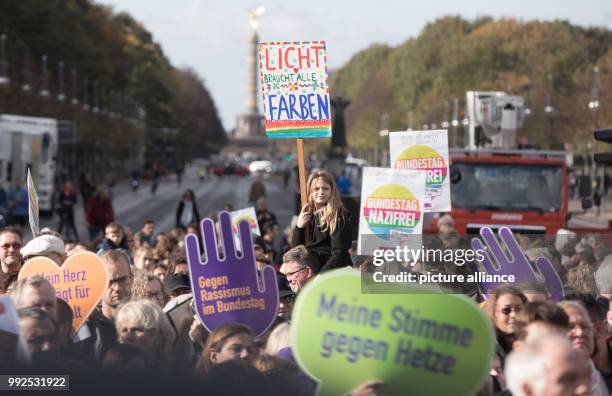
(517, 264)
(228, 290)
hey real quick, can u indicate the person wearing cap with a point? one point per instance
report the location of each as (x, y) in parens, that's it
(177, 284)
(101, 323)
(46, 245)
(299, 266)
(286, 297)
(10, 257)
(181, 310)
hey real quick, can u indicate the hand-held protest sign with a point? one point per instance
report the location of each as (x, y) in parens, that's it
(391, 212)
(33, 206)
(426, 151)
(295, 94)
(294, 89)
(246, 214)
(417, 344)
(80, 281)
(516, 264)
(228, 290)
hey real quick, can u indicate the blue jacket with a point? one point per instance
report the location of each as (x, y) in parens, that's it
(19, 199)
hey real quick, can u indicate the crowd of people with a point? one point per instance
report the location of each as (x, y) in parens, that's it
(145, 330)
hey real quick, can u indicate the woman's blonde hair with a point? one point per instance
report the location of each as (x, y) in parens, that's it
(150, 316)
(140, 254)
(332, 211)
(278, 339)
(139, 285)
(495, 294)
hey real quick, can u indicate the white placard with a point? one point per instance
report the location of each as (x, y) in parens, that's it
(427, 151)
(391, 211)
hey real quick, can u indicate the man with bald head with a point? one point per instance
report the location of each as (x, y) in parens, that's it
(547, 366)
(35, 291)
(101, 323)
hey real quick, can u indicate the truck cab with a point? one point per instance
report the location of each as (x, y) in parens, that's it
(29, 142)
(525, 190)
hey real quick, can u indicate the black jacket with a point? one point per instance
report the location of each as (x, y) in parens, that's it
(332, 250)
(103, 336)
(179, 211)
(66, 205)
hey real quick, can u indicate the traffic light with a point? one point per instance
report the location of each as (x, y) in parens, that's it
(604, 135)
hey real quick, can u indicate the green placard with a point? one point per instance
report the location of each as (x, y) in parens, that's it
(418, 344)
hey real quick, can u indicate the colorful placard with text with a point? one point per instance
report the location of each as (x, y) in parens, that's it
(426, 151)
(230, 289)
(391, 212)
(246, 214)
(424, 345)
(294, 87)
(80, 281)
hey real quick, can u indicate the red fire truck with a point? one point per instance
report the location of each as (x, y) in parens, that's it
(526, 190)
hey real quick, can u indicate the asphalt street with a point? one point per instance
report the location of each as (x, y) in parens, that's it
(212, 195)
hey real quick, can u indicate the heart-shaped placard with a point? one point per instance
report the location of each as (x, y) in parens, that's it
(81, 281)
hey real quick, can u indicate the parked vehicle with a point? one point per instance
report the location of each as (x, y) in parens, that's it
(29, 141)
(260, 166)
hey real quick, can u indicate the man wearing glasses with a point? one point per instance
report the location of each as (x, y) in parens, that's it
(582, 338)
(101, 323)
(299, 267)
(10, 258)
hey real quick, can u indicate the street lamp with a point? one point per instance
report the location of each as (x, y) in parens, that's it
(455, 120)
(75, 93)
(549, 109)
(445, 124)
(60, 82)
(4, 77)
(527, 108)
(44, 89)
(26, 87)
(410, 121)
(95, 107)
(594, 102)
(86, 95)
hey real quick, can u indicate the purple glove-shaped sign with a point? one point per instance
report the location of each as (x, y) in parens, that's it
(516, 263)
(228, 290)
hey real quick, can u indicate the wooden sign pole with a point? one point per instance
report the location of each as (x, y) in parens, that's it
(302, 171)
(302, 176)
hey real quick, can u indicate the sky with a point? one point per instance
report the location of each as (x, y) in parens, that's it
(211, 36)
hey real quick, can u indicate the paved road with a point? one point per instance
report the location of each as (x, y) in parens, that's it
(211, 195)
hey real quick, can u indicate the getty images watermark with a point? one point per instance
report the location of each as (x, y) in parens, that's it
(436, 257)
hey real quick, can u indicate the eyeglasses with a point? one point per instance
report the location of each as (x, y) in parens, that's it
(295, 272)
(287, 299)
(123, 281)
(157, 295)
(507, 310)
(15, 245)
(582, 326)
